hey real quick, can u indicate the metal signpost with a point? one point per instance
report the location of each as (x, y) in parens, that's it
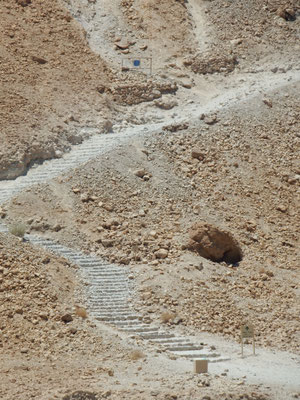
(247, 332)
(142, 64)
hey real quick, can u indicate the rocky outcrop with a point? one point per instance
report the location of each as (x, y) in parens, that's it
(211, 63)
(214, 244)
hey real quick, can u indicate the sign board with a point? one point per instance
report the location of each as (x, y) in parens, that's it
(142, 64)
(200, 366)
(247, 332)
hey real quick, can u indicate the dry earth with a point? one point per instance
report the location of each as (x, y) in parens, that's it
(136, 206)
(49, 351)
(236, 169)
(54, 90)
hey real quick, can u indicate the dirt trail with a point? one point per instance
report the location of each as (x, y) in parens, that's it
(103, 21)
(252, 370)
(189, 110)
(203, 34)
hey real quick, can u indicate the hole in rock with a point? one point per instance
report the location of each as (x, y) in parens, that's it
(214, 244)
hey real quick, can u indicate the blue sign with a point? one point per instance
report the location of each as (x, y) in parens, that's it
(136, 63)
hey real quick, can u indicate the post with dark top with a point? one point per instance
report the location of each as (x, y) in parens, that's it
(247, 332)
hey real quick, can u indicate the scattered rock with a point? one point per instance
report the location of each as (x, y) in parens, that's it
(107, 242)
(166, 103)
(198, 154)
(199, 267)
(268, 102)
(81, 395)
(161, 253)
(176, 127)
(210, 119)
(39, 60)
(84, 197)
(67, 318)
(23, 3)
(44, 316)
(122, 44)
(281, 207)
(140, 173)
(286, 12)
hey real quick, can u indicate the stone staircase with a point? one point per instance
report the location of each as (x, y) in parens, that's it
(50, 169)
(108, 299)
(109, 288)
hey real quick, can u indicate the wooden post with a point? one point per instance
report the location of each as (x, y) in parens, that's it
(242, 343)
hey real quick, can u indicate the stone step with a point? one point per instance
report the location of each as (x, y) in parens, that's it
(112, 281)
(113, 305)
(112, 288)
(171, 341)
(183, 348)
(119, 319)
(85, 260)
(128, 323)
(110, 285)
(146, 330)
(95, 266)
(102, 281)
(100, 313)
(107, 279)
(101, 296)
(113, 310)
(196, 353)
(109, 288)
(109, 294)
(106, 313)
(103, 269)
(109, 303)
(99, 293)
(150, 336)
(102, 274)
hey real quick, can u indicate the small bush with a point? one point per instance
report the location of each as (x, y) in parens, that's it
(136, 355)
(81, 312)
(108, 126)
(18, 230)
(167, 317)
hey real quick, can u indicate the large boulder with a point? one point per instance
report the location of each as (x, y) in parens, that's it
(214, 244)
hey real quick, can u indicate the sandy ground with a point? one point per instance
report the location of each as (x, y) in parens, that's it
(96, 358)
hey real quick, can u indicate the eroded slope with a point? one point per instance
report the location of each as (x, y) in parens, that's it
(236, 170)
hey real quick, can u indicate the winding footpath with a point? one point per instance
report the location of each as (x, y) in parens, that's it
(109, 286)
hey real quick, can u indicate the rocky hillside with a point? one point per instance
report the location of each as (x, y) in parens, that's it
(199, 201)
(45, 61)
(51, 349)
(235, 170)
(54, 90)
